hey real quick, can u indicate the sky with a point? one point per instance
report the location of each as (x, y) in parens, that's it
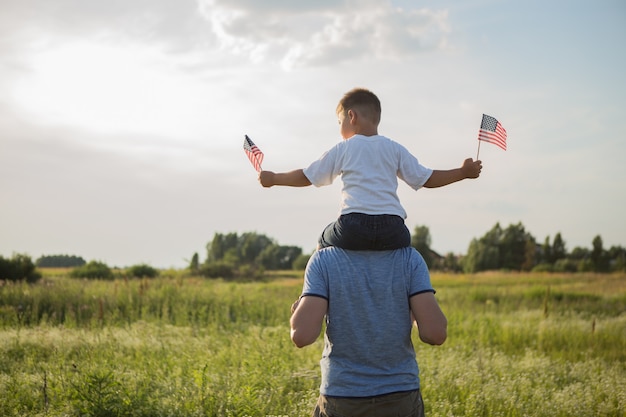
(122, 122)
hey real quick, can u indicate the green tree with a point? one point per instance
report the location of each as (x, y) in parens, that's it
(482, 255)
(93, 270)
(194, 264)
(451, 263)
(252, 245)
(300, 262)
(421, 241)
(546, 252)
(142, 271)
(220, 245)
(511, 248)
(579, 254)
(19, 267)
(217, 269)
(617, 258)
(239, 256)
(558, 248)
(598, 255)
(59, 261)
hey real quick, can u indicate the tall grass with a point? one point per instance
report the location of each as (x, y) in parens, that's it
(518, 345)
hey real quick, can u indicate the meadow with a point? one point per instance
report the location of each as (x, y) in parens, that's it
(518, 345)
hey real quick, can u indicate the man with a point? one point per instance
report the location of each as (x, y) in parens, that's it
(368, 298)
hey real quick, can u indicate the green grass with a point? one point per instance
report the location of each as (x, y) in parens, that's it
(518, 345)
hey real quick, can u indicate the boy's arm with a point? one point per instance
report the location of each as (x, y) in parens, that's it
(432, 324)
(306, 320)
(469, 169)
(294, 178)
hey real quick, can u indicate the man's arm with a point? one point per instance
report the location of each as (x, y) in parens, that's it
(469, 169)
(295, 178)
(306, 320)
(432, 324)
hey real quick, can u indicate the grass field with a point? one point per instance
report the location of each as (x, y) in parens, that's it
(518, 345)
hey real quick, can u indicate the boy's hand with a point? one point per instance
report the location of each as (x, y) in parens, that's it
(266, 178)
(471, 168)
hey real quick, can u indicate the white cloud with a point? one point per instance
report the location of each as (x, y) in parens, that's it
(297, 36)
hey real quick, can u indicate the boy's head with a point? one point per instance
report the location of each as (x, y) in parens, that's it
(364, 102)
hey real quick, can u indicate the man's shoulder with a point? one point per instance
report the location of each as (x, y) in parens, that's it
(376, 256)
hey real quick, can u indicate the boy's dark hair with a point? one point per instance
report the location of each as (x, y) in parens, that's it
(363, 100)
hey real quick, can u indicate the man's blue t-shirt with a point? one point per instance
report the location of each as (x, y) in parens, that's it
(368, 349)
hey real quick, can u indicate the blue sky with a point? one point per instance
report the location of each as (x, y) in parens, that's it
(121, 123)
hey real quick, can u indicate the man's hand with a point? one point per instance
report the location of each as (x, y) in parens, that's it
(471, 168)
(295, 305)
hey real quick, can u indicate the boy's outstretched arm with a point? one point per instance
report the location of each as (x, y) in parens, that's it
(294, 178)
(469, 169)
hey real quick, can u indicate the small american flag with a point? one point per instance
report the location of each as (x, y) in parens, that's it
(492, 131)
(254, 153)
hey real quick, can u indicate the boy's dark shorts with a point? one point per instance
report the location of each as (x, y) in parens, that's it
(358, 231)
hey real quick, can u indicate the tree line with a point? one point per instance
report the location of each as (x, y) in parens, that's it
(515, 249)
(512, 248)
(247, 256)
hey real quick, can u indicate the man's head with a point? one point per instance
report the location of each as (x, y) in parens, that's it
(358, 112)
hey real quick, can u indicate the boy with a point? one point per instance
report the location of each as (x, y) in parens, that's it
(372, 217)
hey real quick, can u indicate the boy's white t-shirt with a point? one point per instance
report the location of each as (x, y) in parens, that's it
(369, 167)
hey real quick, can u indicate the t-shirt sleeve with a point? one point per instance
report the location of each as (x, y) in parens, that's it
(411, 171)
(314, 279)
(420, 277)
(325, 169)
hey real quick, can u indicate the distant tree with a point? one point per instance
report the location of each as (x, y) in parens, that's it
(19, 267)
(217, 269)
(617, 257)
(511, 248)
(60, 261)
(514, 244)
(252, 245)
(276, 257)
(558, 248)
(599, 256)
(546, 252)
(142, 271)
(421, 241)
(194, 265)
(217, 248)
(578, 253)
(530, 254)
(300, 262)
(450, 263)
(92, 270)
(565, 265)
(255, 252)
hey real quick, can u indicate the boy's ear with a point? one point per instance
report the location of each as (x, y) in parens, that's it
(352, 116)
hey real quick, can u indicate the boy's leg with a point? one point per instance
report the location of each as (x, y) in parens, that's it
(358, 231)
(351, 231)
(392, 233)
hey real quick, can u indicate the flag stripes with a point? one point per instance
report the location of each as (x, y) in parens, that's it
(254, 153)
(492, 131)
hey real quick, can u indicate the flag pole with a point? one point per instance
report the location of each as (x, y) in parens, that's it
(478, 152)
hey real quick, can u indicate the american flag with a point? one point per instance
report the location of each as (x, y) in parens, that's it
(254, 153)
(492, 131)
